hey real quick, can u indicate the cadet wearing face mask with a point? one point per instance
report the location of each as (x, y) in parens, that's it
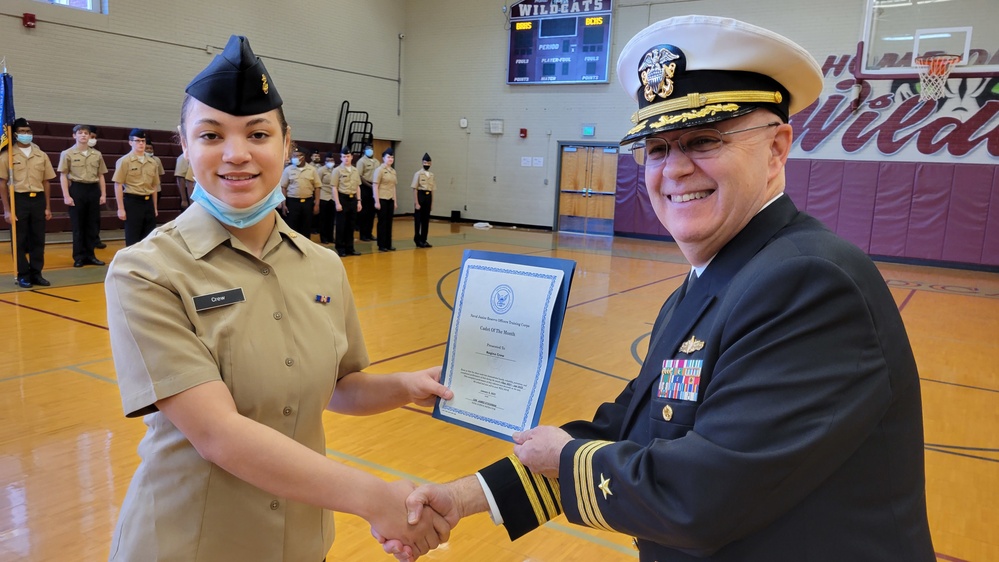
(424, 185)
(31, 174)
(82, 170)
(327, 208)
(300, 183)
(366, 218)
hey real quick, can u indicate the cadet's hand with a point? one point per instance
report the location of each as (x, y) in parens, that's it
(540, 448)
(69, 201)
(452, 501)
(104, 199)
(378, 205)
(423, 387)
(6, 217)
(48, 214)
(413, 537)
(121, 213)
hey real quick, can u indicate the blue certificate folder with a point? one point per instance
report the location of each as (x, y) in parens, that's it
(535, 389)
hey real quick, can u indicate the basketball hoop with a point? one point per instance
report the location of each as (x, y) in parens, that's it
(933, 73)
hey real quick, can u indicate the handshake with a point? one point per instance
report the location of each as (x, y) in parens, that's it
(432, 510)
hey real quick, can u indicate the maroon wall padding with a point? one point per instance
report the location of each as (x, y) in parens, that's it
(892, 203)
(990, 250)
(824, 189)
(921, 211)
(856, 217)
(967, 217)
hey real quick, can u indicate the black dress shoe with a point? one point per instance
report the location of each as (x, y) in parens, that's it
(100, 245)
(78, 263)
(39, 280)
(391, 248)
(427, 245)
(94, 261)
(366, 239)
(341, 253)
(380, 249)
(22, 283)
(353, 253)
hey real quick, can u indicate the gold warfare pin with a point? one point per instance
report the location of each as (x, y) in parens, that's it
(691, 345)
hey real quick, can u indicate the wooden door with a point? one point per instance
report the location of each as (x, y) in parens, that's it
(587, 185)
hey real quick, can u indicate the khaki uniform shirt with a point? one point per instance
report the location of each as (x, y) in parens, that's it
(181, 167)
(84, 166)
(300, 183)
(424, 180)
(189, 175)
(30, 172)
(325, 178)
(367, 166)
(386, 179)
(346, 180)
(280, 353)
(136, 176)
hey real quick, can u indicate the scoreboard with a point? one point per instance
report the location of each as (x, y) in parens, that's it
(559, 41)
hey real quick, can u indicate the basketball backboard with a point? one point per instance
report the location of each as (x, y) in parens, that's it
(897, 31)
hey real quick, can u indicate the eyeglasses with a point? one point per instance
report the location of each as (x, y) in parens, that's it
(698, 143)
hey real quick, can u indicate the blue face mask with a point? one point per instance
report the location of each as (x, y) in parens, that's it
(238, 218)
(294, 161)
(24, 139)
(368, 152)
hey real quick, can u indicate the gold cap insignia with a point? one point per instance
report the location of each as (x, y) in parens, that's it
(656, 73)
(605, 486)
(264, 86)
(691, 345)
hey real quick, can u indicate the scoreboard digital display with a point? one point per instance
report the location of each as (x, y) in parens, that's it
(559, 42)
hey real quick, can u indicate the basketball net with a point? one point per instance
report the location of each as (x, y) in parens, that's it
(933, 73)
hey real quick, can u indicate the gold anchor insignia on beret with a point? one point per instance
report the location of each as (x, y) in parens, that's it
(264, 86)
(691, 345)
(656, 72)
(605, 486)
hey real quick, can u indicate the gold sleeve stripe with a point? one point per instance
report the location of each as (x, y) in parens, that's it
(546, 495)
(529, 489)
(695, 100)
(586, 497)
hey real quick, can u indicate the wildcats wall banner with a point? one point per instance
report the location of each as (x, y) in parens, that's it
(887, 118)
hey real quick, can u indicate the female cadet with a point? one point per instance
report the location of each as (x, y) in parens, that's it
(385, 182)
(229, 332)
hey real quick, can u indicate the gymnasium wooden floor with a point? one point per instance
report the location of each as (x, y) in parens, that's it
(67, 453)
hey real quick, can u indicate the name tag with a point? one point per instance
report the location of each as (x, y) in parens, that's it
(215, 300)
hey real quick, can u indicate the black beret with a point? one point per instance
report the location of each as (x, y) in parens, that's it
(345, 150)
(388, 152)
(330, 155)
(236, 82)
(137, 133)
(21, 122)
(426, 157)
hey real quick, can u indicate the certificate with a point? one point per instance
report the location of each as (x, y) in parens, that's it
(505, 326)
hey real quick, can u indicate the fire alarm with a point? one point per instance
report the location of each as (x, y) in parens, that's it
(523, 133)
(28, 20)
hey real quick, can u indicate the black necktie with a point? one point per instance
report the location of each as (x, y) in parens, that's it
(691, 281)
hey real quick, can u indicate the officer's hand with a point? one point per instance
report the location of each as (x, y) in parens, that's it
(541, 448)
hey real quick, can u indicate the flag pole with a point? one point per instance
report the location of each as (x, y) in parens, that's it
(8, 96)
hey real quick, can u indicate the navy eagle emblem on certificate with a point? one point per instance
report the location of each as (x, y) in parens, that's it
(501, 299)
(505, 326)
